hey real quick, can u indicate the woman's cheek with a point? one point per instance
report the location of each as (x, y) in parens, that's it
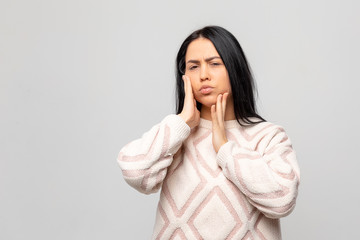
(198, 97)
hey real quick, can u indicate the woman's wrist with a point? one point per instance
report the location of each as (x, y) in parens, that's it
(186, 120)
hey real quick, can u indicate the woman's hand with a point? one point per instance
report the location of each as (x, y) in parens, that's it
(218, 127)
(189, 113)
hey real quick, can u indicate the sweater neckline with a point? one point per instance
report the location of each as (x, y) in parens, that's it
(228, 123)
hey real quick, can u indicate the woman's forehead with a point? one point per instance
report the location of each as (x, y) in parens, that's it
(201, 49)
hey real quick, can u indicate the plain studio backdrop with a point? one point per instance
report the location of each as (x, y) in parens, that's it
(80, 79)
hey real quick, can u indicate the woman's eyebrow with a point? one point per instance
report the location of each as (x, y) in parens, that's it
(206, 60)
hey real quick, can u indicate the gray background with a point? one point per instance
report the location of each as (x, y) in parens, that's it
(80, 79)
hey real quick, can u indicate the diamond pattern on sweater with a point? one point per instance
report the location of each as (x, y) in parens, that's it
(210, 165)
(181, 187)
(237, 193)
(215, 217)
(178, 235)
(163, 221)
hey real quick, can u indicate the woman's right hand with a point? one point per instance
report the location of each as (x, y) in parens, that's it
(189, 113)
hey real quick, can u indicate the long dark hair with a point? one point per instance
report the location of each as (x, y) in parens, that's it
(241, 79)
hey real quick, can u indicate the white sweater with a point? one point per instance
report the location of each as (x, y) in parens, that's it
(238, 193)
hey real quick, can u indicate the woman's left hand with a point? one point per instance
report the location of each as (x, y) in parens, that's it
(218, 127)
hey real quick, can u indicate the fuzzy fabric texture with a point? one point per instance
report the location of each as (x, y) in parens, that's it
(240, 192)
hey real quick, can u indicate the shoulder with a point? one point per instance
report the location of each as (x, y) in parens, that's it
(259, 125)
(261, 130)
(260, 136)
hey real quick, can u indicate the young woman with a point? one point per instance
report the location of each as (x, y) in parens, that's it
(224, 171)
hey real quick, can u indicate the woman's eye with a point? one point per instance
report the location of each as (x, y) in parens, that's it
(215, 63)
(192, 67)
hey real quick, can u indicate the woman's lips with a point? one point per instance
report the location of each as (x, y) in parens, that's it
(206, 90)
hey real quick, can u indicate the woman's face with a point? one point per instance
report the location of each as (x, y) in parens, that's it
(204, 67)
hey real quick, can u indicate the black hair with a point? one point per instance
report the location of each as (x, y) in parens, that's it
(240, 75)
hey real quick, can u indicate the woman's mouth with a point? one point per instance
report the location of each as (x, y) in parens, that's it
(206, 90)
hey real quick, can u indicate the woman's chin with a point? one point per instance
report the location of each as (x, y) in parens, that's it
(207, 104)
(207, 101)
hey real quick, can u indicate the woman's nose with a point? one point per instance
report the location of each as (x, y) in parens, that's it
(204, 74)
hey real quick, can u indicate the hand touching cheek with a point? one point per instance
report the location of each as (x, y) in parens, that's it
(217, 117)
(189, 113)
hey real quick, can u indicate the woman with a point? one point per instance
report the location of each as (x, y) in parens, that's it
(224, 171)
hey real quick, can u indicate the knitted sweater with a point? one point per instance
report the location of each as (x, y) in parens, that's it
(238, 193)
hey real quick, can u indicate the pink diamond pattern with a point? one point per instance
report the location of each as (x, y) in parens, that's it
(165, 224)
(202, 226)
(259, 233)
(212, 167)
(248, 209)
(175, 192)
(178, 235)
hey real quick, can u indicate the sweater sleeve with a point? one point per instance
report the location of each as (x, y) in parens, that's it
(269, 180)
(144, 161)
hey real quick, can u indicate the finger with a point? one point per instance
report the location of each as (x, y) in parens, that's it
(189, 86)
(219, 112)
(188, 92)
(191, 93)
(224, 103)
(213, 116)
(184, 80)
